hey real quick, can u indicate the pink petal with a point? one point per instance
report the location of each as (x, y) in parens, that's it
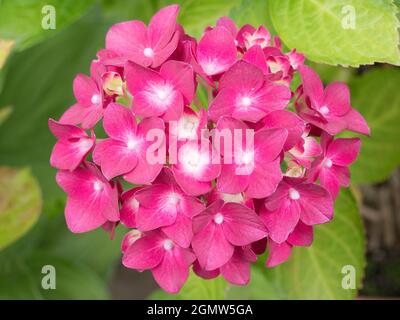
(222, 105)
(162, 26)
(281, 222)
(139, 78)
(289, 121)
(69, 155)
(268, 144)
(243, 77)
(241, 225)
(237, 270)
(191, 185)
(316, 204)
(144, 172)
(173, 271)
(180, 231)
(337, 98)
(129, 208)
(115, 158)
(119, 122)
(162, 54)
(129, 39)
(344, 151)
(302, 235)
(86, 116)
(356, 123)
(312, 84)
(278, 253)
(65, 131)
(264, 180)
(230, 182)
(145, 253)
(181, 75)
(255, 55)
(216, 51)
(211, 247)
(229, 24)
(204, 273)
(84, 89)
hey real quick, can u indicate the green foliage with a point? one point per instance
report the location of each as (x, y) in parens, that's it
(375, 94)
(21, 20)
(20, 204)
(315, 28)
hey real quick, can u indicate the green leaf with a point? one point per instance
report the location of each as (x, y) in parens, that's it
(122, 10)
(376, 95)
(20, 204)
(38, 84)
(316, 272)
(21, 20)
(197, 288)
(315, 27)
(196, 15)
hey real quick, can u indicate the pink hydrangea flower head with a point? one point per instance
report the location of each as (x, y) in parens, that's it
(148, 46)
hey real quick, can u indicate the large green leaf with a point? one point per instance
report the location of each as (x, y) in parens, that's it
(315, 27)
(376, 95)
(38, 84)
(20, 204)
(21, 20)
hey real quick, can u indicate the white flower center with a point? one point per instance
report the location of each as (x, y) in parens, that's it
(294, 194)
(96, 99)
(168, 244)
(218, 218)
(134, 204)
(246, 101)
(98, 186)
(327, 163)
(173, 199)
(148, 52)
(131, 144)
(324, 110)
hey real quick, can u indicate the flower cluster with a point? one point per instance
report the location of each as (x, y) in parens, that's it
(218, 207)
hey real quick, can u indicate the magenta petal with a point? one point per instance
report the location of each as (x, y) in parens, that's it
(229, 24)
(312, 84)
(191, 185)
(344, 151)
(281, 222)
(144, 172)
(139, 78)
(264, 179)
(278, 253)
(222, 105)
(216, 51)
(255, 55)
(356, 122)
(289, 121)
(160, 55)
(119, 122)
(145, 253)
(204, 273)
(316, 204)
(337, 98)
(84, 89)
(173, 271)
(211, 247)
(241, 225)
(129, 39)
(268, 144)
(65, 131)
(115, 158)
(329, 181)
(86, 116)
(181, 75)
(237, 270)
(162, 26)
(302, 235)
(180, 231)
(129, 208)
(68, 155)
(230, 182)
(242, 77)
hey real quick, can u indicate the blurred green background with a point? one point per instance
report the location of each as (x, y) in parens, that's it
(37, 67)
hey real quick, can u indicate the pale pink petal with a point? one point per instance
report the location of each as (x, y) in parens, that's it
(216, 51)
